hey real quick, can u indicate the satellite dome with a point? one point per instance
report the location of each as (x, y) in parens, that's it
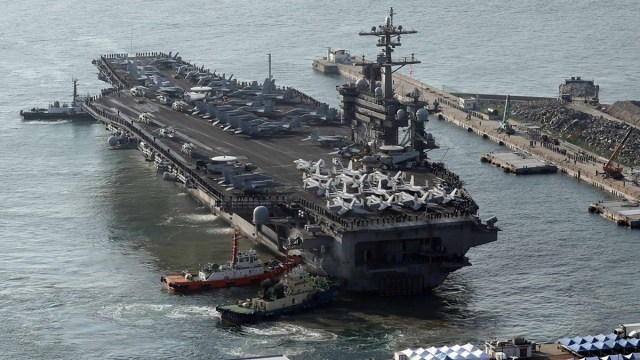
(378, 91)
(260, 215)
(112, 140)
(422, 114)
(362, 84)
(401, 115)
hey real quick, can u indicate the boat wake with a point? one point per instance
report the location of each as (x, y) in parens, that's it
(189, 220)
(148, 314)
(291, 340)
(47, 122)
(198, 218)
(290, 332)
(183, 312)
(220, 230)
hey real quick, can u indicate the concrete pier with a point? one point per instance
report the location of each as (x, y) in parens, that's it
(325, 66)
(519, 163)
(622, 212)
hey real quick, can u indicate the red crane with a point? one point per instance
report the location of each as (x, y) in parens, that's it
(609, 169)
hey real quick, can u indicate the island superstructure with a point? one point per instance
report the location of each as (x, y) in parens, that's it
(391, 221)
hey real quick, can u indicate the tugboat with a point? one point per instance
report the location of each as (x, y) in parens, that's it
(296, 291)
(244, 268)
(56, 111)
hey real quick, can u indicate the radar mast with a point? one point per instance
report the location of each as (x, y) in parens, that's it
(388, 38)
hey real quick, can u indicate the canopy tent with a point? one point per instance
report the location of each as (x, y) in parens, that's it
(467, 355)
(601, 337)
(602, 347)
(578, 340)
(613, 357)
(580, 349)
(456, 352)
(566, 341)
(420, 351)
(432, 350)
(613, 337)
(469, 347)
(634, 342)
(589, 339)
(616, 345)
(407, 352)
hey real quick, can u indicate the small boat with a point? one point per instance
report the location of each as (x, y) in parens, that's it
(161, 164)
(147, 151)
(296, 291)
(57, 111)
(122, 140)
(245, 268)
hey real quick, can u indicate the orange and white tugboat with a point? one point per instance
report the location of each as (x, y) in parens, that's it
(244, 268)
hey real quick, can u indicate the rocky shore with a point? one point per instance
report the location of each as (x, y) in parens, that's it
(628, 111)
(599, 134)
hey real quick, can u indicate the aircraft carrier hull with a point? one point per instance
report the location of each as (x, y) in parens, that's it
(392, 252)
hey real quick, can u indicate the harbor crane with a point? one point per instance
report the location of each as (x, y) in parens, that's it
(609, 169)
(504, 124)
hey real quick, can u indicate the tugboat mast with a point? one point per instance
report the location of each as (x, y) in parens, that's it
(75, 91)
(234, 254)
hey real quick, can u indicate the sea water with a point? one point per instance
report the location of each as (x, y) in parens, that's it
(87, 232)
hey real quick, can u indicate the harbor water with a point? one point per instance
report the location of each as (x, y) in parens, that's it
(87, 232)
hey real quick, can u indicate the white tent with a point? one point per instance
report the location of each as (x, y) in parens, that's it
(612, 357)
(407, 352)
(481, 355)
(420, 351)
(469, 347)
(456, 352)
(467, 355)
(432, 350)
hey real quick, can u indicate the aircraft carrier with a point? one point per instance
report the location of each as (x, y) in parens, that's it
(353, 191)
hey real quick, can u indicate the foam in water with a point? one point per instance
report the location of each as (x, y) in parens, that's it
(199, 218)
(291, 332)
(149, 312)
(47, 122)
(219, 230)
